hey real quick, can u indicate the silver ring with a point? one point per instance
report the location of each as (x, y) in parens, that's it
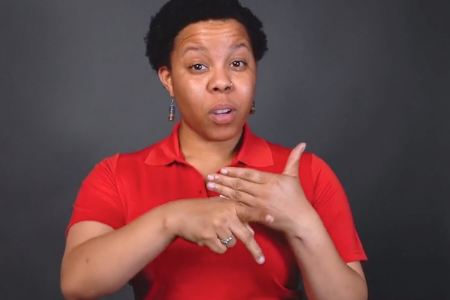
(227, 241)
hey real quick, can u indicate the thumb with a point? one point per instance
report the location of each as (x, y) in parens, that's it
(293, 162)
(249, 214)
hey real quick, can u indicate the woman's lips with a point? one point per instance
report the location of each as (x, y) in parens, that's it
(223, 116)
(223, 113)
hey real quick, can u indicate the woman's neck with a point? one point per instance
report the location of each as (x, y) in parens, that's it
(196, 148)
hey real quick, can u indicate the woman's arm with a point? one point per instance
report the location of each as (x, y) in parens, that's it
(99, 260)
(321, 232)
(325, 275)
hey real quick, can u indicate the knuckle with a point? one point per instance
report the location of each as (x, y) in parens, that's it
(237, 184)
(247, 237)
(264, 177)
(236, 195)
(220, 221)
(248, 175)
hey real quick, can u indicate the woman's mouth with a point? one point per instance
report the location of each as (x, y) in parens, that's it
(223, 116)
(222, 111)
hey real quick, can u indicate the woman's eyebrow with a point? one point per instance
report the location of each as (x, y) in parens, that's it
(239, 45)
(232, 48)
(195, 48)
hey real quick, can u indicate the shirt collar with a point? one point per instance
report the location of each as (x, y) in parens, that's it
(254, 151)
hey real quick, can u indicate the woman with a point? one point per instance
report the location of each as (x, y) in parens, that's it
(212, 211)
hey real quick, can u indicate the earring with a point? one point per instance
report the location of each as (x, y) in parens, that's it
(252, 110)
(172, 110)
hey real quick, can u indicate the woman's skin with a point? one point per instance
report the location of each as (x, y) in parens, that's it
(212, 67)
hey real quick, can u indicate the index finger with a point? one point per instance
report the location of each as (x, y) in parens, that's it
(241, 232)
(246, 174)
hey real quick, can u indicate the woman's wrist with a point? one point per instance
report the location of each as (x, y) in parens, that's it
(306, 225)
(170, 219)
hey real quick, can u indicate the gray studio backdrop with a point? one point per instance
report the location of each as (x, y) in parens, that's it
(364, 83)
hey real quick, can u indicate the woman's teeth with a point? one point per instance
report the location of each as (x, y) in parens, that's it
(222, 111)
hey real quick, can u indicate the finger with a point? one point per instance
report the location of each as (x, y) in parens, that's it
(236, 184)
(216, 246)
(249, 228)
(227, 192)
(226, 238)
(249, 214)
(246, 174)
(211, 241)
(248, 239)
(293, 161)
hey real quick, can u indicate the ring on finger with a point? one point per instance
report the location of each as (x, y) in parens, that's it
(227, 240)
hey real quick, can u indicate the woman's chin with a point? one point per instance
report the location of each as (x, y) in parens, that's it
(214, 132)
(223, 133)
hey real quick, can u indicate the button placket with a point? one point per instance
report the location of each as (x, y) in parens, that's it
(202, 191)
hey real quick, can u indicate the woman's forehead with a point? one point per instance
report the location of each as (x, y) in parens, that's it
(197, 36)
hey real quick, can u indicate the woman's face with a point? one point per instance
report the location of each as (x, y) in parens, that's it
(212, 78)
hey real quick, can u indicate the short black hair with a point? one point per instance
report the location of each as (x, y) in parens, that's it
(175, 15)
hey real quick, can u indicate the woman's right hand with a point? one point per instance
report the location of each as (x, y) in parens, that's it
(208, 221)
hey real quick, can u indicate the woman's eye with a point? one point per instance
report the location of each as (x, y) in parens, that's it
(237, 64)
(198, 67)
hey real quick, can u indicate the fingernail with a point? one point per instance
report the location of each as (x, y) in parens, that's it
(261, 259)
(210, 177)
(224, 172)
(210, 185)
(269, 218)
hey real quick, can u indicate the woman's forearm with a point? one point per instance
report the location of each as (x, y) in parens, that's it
(326, 276)
(103, 265)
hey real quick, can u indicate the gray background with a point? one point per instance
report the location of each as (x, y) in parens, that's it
(364, 83)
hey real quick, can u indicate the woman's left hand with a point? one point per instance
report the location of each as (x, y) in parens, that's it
(281, 195)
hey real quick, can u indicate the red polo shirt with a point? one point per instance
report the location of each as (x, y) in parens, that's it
(122, 187)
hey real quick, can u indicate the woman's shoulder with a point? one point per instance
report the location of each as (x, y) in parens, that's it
(131, 158)
(281, 153)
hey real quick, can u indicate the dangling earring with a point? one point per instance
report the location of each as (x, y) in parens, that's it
(252, 110)
(172, 110)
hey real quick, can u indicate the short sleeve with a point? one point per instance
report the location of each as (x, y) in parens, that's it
(98, 198)
(331, 203)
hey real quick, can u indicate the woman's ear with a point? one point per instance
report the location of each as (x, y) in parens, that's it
(166, 79)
